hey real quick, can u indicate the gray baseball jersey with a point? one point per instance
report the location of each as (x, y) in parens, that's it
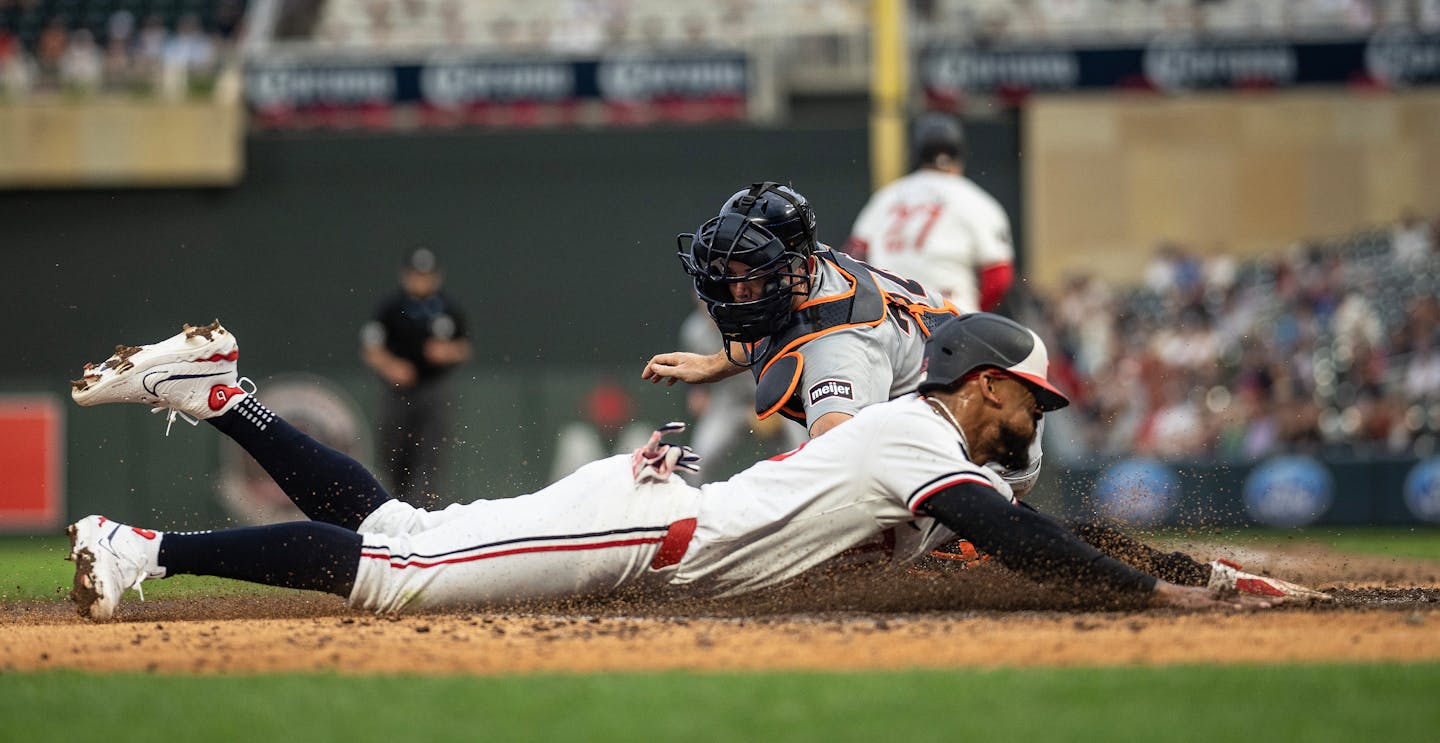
(858, 339)
(850, 369)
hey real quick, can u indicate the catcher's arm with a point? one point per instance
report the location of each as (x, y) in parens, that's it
(694, 368)
(1038, 547)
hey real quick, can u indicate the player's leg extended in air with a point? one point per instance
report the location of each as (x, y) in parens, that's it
(361, 544)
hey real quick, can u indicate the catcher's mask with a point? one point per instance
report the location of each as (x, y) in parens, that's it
(778, 208)
(708, 256)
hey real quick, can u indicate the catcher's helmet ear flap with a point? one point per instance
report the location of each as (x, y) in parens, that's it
(778, 208)
(982, 340)
(936, 136)
(729, 251)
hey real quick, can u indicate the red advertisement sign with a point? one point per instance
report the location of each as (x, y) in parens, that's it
(31, 464)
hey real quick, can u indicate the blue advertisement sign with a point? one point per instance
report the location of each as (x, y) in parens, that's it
(1140, 492)
(1289, 491)
(1422, 490)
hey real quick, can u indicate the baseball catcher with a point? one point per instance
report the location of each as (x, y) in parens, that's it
(826, 335)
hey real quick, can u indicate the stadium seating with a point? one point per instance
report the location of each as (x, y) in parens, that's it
(591, 25)
(129, 46)
(584, 26)
(27, 19)
(1335, 345)
(1113, 20)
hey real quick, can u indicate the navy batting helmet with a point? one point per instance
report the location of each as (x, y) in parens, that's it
(729, 250)
(778, 208)
(937, 135)
(982, 340)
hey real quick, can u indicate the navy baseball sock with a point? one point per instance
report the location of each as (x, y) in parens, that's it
(325, 484)
(304, 554)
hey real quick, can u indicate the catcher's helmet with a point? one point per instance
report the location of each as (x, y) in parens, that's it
(981, 340)
(779, 209)
(936, 135)
(707, 255)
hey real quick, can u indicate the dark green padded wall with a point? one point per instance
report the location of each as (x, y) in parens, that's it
(560, 244)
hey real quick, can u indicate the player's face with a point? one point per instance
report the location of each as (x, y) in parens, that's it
(744, 291)
(420, 283)
(1020, 419)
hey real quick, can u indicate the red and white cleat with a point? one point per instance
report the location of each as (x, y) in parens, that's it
(191, 374)
(110, 559)
(1227, 576)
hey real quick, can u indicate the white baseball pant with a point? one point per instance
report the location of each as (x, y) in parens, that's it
(588, 533)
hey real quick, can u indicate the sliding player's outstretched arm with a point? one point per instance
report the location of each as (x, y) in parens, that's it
(1040, 548)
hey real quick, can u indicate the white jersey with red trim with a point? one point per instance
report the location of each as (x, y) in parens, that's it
(937, 228)
(597, 530)
(791, 513)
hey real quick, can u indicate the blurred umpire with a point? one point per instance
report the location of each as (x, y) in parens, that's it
(416, 337)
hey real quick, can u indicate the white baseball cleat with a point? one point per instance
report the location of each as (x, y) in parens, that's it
(191, 374)
(1227, 576)
(109, 560)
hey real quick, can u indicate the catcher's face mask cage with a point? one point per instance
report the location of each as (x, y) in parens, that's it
(709, 255)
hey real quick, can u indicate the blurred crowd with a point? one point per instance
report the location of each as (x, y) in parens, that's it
(1329, 348)
(113, 46)
(1041, 20)
(588, 26)
(88, 45)
(579, 26)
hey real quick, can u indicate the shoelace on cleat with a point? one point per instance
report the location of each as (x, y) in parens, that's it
(173, 413)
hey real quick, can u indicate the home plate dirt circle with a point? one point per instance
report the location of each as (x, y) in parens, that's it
(1384, 610)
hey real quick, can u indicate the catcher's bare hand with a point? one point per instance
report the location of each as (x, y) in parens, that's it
(1196, 597)
(694, 368)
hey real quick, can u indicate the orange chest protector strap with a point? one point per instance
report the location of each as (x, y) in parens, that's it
(925, 317)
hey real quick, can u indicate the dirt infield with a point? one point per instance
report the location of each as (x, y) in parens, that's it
(1384, 610)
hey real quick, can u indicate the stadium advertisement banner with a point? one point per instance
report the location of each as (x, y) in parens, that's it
(1284, 491)
(1174, 64)
(456, 88)
(32, 459)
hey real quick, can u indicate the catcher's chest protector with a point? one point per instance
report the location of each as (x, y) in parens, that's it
(866, 304)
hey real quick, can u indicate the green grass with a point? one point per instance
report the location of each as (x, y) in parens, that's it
(34, 568)
(1385, 702)
(1419, 543)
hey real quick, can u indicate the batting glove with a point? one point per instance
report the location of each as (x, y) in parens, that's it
(656, 461)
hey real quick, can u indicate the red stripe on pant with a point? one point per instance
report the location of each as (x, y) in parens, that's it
(672, 548)
(507, 553)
